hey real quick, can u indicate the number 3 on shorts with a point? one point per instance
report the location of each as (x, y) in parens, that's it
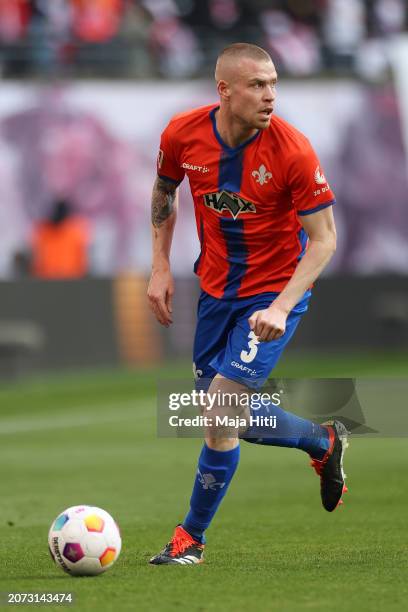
(248, 356)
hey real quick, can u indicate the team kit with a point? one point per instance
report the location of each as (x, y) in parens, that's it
(252, 203)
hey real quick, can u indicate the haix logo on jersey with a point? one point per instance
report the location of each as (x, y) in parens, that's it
(224, 200)
(319, 177)
(262, 175)
(188, 166)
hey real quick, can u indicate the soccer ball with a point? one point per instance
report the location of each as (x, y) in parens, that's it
(84, 541)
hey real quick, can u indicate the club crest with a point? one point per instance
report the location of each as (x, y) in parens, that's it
(262, 175)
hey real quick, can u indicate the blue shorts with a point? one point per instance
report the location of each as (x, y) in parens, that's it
(224, 342)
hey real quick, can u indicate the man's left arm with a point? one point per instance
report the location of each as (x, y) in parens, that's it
(270, 324)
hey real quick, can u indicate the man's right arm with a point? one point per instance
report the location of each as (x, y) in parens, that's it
(164, 214)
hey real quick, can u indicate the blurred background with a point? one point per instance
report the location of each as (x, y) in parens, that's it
(87, 87)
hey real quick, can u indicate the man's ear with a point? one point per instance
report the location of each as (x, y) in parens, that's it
(223, 89)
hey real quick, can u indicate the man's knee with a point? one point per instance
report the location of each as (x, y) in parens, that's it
(227, 407)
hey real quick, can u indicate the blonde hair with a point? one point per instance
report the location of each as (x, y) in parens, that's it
(244, 50)
(237, 51)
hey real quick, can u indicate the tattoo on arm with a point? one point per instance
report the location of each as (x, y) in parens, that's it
(163, 197)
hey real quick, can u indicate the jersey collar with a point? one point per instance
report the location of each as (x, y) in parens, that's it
(224, 144)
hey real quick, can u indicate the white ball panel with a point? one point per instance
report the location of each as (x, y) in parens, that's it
(113, 538)
(73, 530)
(94, 544)
(78, 511)
(55, 539)
(88, 566)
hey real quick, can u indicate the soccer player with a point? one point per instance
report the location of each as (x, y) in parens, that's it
(264, 218)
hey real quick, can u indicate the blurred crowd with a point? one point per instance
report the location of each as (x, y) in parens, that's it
(181, 38)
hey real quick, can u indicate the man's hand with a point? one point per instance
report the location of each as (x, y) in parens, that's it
(160, 295)
(268, 324)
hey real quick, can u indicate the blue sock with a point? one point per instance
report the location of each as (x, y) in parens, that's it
(214, 474)
(283, 428)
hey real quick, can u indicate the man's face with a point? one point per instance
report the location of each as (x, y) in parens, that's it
(252, 93)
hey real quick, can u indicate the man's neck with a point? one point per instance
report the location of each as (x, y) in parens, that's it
(232, 133)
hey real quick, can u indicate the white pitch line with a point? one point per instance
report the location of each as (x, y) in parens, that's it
(25, 424)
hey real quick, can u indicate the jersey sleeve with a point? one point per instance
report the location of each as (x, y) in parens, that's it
(309, 187)
(168, 163)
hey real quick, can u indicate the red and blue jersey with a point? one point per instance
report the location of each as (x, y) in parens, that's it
(247, 200)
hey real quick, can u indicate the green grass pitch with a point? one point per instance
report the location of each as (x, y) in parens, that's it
(91, 438)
